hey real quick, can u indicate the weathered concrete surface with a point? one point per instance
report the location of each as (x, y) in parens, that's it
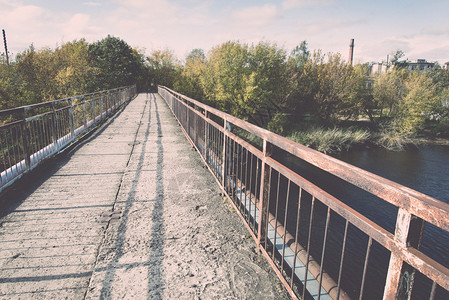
(130, 213)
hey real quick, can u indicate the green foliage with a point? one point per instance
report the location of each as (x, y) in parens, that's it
(279, 123)
(189, 81)
(396, 55)
(419, 103)
(116, 62)
(164, 67)
(73, 68)
(256, 82)
(389, 88)
(74, 75)
(246, 81)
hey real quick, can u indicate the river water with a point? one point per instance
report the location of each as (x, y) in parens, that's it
(425, 169)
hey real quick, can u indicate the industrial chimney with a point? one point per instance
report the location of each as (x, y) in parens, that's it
(351, 52)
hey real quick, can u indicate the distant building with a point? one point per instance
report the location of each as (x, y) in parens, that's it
(446, 66)
(412, 65)
(378, 68)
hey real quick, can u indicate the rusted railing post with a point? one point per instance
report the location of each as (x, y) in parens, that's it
(187, 119)
(400, 277)
(84, 115)
(100, 98)
(25, 140)
(223, 162)
(264, 195)
(206, 134)
(72, 119)
(54, 135)
(94, 116)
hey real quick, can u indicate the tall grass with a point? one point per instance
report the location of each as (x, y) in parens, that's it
(330, 140)
(392, 140)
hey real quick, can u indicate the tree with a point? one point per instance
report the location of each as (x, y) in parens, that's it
(300, 55)
(195, 54)
(144, 76)
(246, 81)
(37, 71)
(327, 80)
(388, 91)
(266, 87)
(356, 94)
(164, 67)
(74, 74)
(419, 103)
(189, 81)
(224, 76)
(396, 55)
(116, 62)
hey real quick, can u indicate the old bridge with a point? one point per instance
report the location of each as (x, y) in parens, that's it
(103, 197)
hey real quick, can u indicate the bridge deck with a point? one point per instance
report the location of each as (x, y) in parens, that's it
(128, 213)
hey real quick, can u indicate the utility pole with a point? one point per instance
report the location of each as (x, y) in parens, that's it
(6, 46)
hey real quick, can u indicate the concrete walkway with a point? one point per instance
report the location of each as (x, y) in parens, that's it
(130, 213)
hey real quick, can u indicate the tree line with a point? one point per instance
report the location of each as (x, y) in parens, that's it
(74, 68)
(263, 83)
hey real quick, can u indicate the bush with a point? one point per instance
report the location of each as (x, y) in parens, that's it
(279, 123)
(392, 139)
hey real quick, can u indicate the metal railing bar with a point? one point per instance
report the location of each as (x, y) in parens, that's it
(309, 237)
(285, 225)
(323, 252)
(12, 124)
(365, 266)
(270, 176)
(251, 186)
(342, 259)
(256, 189)
(276, 212)
(433, 291)
(43, 135)
(246, 185)
(419, 204)
(240, 179)
(296, 236)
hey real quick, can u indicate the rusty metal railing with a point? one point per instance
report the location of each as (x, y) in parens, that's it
(31, 134)
(293, 221)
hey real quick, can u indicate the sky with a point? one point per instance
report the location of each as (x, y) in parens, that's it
(379, 27)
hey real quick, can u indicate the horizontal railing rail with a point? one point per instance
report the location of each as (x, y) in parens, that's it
(308, 235)
(30, 134)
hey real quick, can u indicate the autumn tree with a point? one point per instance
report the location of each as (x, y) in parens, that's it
(388, 90)
(417, 106)
(164, 67)
(74, 75)
(37, 71)
(189, 81)
(246, 81)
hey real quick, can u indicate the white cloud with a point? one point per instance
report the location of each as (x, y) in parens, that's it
(79, 26)
(256, 15)
(289, 4)
(92, 4)
(26, 24)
